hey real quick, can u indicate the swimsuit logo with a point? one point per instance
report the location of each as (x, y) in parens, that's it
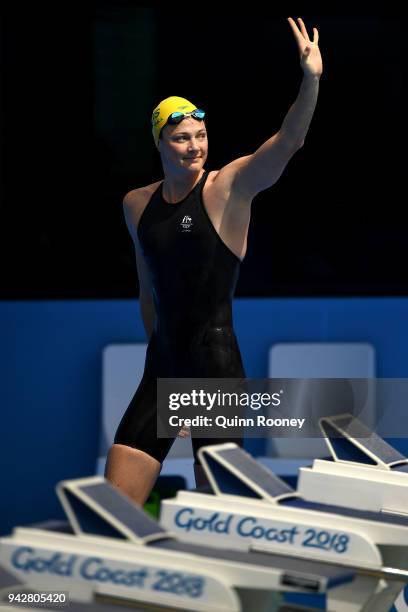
(186, 223)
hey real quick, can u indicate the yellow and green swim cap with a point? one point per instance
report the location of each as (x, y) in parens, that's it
(163, 111)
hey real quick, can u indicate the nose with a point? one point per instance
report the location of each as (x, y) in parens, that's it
(193, 145)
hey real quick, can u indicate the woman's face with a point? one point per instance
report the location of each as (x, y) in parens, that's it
(184, 146)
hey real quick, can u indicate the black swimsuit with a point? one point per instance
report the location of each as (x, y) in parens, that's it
(193, 275)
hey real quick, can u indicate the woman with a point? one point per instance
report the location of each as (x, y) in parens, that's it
(190, 235)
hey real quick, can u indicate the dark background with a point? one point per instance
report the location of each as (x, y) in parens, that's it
(78, 83)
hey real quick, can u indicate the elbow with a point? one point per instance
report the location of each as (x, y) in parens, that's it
(146, 301)
(291, 140)
(147, 311)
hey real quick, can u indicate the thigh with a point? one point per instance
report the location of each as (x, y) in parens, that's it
(138, 427)
(216, 354)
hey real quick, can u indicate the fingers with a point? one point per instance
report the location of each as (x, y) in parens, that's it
(295, 29)
(184, 432)
(303, 29)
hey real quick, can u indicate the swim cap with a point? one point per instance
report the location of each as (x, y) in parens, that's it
(163, 111)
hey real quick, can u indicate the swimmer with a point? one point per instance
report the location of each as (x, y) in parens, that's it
(190, 235)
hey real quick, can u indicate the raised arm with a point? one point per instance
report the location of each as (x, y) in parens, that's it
(264, 167)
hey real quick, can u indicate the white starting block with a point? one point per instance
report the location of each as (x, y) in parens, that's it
(111, 550)
(365, 473)
(362, 526)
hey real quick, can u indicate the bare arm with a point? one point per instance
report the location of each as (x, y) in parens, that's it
(262, 169)
(296, 123)
(145, 295)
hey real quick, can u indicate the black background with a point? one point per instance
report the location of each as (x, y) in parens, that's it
(78, 83)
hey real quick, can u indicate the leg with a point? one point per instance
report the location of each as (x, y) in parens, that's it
(135, 459)
(133, 471)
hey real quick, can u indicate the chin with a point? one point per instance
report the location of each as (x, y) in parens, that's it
(193, 167)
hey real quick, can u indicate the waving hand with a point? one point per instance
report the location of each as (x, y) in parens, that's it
(310, 58)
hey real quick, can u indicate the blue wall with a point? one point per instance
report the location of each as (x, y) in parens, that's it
(50, 364)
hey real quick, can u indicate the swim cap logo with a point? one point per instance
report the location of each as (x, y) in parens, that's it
(156, 119)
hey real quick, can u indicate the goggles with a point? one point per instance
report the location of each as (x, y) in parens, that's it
(177, 116)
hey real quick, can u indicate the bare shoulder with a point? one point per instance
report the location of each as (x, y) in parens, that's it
(138, 196)
(135, 202)
(225, 177)
(220, 183)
